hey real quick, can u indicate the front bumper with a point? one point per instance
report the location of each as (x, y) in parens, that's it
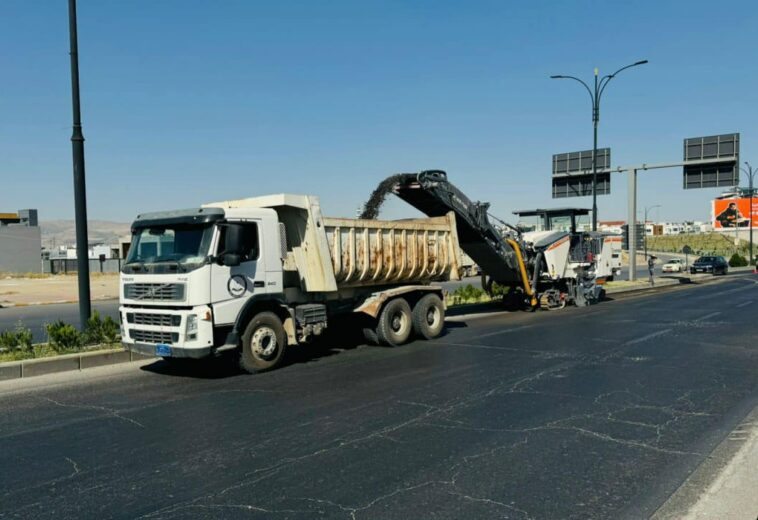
(165, 332)
(147, 349)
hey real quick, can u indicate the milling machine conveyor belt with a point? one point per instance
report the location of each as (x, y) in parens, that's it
(432, 194)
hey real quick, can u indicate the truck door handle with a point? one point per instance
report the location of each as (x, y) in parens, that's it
(259, 284)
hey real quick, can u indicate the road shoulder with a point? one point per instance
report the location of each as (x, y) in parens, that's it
(724, 486)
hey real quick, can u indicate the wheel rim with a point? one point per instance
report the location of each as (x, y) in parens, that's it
(433, 316)
(263, 342)
(399, 322)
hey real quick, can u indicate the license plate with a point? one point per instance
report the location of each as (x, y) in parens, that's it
(162, 350)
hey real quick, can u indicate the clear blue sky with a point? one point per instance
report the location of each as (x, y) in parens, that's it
(191, 101)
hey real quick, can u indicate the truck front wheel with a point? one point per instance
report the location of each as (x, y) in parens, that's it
(429, 316)
(395, 323)
(263, 343)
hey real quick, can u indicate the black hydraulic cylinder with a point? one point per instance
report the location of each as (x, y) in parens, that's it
(80, 192)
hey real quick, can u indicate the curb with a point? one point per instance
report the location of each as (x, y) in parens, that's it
(487, 309)
(697, 279)
(66, 363)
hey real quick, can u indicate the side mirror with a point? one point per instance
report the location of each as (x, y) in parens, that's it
(231, 259)
(234, 238)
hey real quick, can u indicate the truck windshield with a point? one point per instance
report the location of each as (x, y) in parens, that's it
(179, 247)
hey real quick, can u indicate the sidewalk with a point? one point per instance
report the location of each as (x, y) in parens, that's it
(724, 486)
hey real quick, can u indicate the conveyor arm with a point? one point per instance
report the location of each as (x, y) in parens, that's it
(432, 194)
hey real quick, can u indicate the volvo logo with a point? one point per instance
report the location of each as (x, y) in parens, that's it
(237, 285)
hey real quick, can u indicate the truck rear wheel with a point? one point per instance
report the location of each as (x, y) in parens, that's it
(429, 316)
(395, 323)
(263, 343)
(369, 334)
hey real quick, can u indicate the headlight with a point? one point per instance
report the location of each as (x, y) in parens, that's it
(191, 323)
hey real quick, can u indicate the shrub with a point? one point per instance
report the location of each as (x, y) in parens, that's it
(100, 330)
(63, 336)
(8, 340)
(500, 290)
(16, 340)
(25, 337)
(467, 293)
(110, 330)
(737, 260)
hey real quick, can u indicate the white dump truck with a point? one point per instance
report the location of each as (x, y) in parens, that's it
(264, 273)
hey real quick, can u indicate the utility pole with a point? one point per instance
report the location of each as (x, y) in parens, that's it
(595, 96)
(80, 192)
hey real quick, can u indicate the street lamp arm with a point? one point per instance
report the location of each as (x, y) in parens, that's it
(609, 77)
(603, 83)
(592, 98)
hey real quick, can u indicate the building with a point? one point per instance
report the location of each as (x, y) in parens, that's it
(94, 252)
(611, 226)
(20, 242)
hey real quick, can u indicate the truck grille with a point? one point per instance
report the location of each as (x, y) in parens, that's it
(154, 291)
(151, 336)
(161, 320)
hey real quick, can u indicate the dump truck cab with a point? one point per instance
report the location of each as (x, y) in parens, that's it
(182, 283)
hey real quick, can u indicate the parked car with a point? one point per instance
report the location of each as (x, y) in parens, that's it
(710, 264)
(675, 265)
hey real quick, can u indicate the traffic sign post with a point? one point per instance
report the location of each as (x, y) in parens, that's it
(708, 162)
(632, 196)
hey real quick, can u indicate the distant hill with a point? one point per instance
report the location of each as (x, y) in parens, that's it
(63, 232)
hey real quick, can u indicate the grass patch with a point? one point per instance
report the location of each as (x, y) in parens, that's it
(467, 294)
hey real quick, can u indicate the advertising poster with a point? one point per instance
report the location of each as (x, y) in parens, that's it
(734, 213)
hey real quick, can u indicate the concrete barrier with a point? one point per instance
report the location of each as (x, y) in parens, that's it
(66, 363)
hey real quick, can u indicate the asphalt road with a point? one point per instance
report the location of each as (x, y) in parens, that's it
(599, 412)
(36, 316)
(642, 273)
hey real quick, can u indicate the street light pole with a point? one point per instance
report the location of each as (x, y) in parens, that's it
(595, 95)
(595, 120)
(644, 227)
(750, 174)
(80, 192)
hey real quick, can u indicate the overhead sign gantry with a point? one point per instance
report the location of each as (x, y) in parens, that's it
(572, 173)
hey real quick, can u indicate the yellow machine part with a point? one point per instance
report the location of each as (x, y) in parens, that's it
(522, 269)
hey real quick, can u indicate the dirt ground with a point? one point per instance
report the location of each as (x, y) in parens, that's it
(54, 289)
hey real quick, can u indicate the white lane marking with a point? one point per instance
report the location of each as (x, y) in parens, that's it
(647, 337)
(743, 304)
(708, 316)
(505, 331)
(487, 347)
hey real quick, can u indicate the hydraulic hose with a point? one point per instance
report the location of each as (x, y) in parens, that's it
(522, 270)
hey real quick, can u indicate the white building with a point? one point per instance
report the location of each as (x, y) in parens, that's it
(94, 252)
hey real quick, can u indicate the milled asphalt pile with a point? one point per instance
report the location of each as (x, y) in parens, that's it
(374, 203)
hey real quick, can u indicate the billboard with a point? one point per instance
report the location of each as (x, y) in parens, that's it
(572, 173)
(717, 159)
(733, 213)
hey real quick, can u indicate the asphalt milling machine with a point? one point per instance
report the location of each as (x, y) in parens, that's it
(545, 268)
